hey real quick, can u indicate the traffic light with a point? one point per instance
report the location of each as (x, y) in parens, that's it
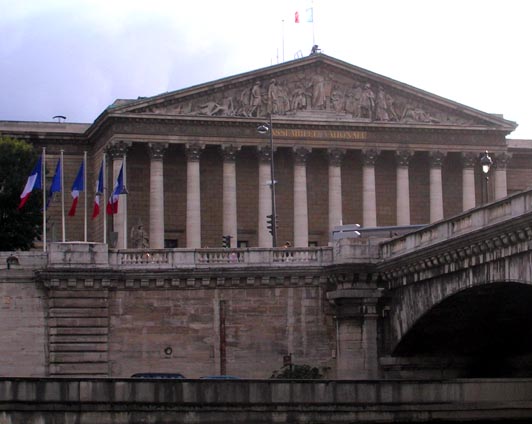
(269, 221)
(226, 241)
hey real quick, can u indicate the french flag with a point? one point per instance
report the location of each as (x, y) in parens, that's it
(56, 183)
(34, 182)
(112, 204)
(99, 192)
(76, 188)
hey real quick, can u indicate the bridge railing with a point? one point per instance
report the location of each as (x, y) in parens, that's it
(467, 222)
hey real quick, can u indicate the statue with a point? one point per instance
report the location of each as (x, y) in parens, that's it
(139, 238)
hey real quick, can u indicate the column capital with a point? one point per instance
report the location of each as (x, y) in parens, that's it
(264, 153)
(369, 156)
(403, 157)
(156, 150)
(469, 159)
(436, 158)
(301, 155)
(193, 151)
(336, 156)
(118, 149)
(501, 160)
(229, 152)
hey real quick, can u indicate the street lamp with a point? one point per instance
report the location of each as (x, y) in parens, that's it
(485, 164)
(267, 128)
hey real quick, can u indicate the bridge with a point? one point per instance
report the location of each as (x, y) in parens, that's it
(463, 287)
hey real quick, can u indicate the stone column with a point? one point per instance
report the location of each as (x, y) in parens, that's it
(369, 199)
(229, 192)
(436, 188)
(265, 197)
(300, 197)
(156, 234)
(501, 187)
(469, 161)
(117, 152)
(335, 188)
(403, 187)
(193, 152)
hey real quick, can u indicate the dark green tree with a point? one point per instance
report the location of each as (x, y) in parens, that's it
(18, 228)
(305, 372)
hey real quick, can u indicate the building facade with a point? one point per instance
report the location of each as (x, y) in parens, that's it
(349, 146)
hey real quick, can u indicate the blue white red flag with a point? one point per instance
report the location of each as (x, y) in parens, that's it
(77, 186)
(112, 204)
(56, 183)
(99, 192)
(34, 182)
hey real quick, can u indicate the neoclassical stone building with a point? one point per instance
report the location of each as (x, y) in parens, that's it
(349, 146)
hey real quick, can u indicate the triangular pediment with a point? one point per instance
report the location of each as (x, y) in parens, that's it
(318, 88)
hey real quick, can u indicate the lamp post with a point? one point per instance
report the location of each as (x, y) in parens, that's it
(485, 164)
(267, 128)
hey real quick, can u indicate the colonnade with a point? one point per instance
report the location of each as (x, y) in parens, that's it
(300, 206)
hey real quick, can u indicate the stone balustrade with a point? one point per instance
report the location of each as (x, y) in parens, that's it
(470, 222)
(198, 258)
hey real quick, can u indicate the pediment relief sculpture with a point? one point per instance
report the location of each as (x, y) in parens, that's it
(315, 91)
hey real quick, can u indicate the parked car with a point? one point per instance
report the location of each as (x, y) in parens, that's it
(158, 375)
(219, 377)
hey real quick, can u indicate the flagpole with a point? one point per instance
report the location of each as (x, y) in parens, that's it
(85, 194)
(62, 198)
(104, 200)
(125, 199)
(43, 186)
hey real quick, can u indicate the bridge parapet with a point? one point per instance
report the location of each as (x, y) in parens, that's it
(474, 220)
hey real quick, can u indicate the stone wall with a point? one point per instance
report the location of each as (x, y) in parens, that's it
(253, 402)
(23, 325)
(208, 331)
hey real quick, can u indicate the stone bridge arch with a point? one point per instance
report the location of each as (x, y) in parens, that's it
(490, 320)
(415, 305)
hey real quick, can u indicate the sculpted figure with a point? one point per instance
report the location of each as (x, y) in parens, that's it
(139, 238)
(353, 96)
(255, 100)
(299, 99)
(338, 100)
(416, 114)
(244, 107)
(381, 106)
(283, 100)
(367, 102)
(210, 108)
(273, 97)
(318, 91)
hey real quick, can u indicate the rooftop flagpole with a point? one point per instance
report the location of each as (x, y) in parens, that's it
(104, 200)
(62, 198)
(85, 194)
(124, 176)
(43, 186)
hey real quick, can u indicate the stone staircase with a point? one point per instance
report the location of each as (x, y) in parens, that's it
(78, 333)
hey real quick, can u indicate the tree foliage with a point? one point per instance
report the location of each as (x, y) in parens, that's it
(305, 372)
(18, 228)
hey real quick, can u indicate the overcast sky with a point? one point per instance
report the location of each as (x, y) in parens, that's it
(75, 57)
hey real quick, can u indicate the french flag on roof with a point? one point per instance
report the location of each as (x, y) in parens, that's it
(34, 182)
(119, 188)
(76, 188)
